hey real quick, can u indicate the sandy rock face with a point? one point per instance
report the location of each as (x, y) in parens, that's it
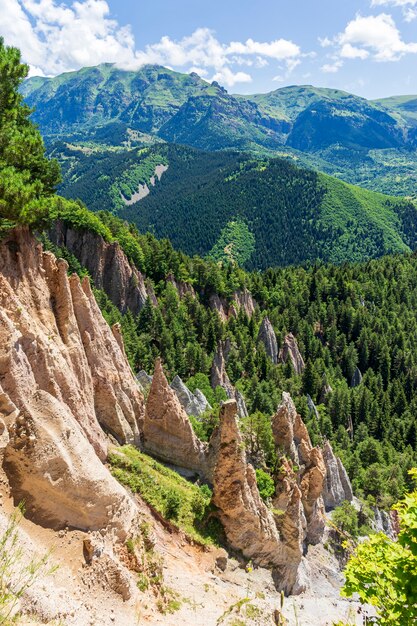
(107, 265)
(242, 300)
(292, 440)
(53, 468)
(267, 336)
(337, 487)
(63, 375)
(219, 375)
(291, 351)
(181, 286)
(168, 433)
(248, 523)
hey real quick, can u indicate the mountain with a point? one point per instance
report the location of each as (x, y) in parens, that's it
(368, 143)
(280, 214)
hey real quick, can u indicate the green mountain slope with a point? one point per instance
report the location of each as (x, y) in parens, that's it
(294, 215)
(368, 143)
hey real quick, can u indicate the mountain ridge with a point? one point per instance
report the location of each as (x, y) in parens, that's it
(360, 141)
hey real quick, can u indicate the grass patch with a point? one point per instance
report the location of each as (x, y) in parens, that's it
(185, 504)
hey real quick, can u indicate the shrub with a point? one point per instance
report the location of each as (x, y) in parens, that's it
(172, 505)
(384, 572)
(345, 517)
(265, 484)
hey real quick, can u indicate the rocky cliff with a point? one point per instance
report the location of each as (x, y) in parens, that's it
(337, 487)
(107, 264)
(193, 403)
(220, 378)
(242, 299)
(64, 382)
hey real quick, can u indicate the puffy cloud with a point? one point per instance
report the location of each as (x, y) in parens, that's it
(375, 35)
(352, 52)
(226, 77)
(369, 37)
(55, 38)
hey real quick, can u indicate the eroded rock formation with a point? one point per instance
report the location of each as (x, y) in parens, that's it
(291, 351)
(337, 487)
(193, 403)
(219, 377)
(242, 300)
(267, 336)
(356, 378)
(107, 265)
(293, 443)
(63, 377)
(168, 433)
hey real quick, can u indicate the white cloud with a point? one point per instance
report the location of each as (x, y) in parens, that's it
(228, 78)
(376, 36)
(409, 12)
(352, 52)
(332, 68)
(55, 38)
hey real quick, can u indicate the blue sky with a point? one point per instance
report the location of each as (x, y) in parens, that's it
(368, 47)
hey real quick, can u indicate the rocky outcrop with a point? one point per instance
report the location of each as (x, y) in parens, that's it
(291, 351)
(267, 336)
(242, 300)
(167, 431)
(107, 264)
(193, 403)
(144, 380)
(53, 468)
(219, 377)
(337, 487)
(312, 408)
(356, 378)
(181, 286)
(64, 378)
(293, 443)
(385, 522)
(220, 305)
(325, 391)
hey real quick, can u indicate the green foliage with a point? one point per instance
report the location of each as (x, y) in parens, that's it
(345, 518)
(235, 244)
(172, 496)
(27, 177)
(265, 484)
(384, 572)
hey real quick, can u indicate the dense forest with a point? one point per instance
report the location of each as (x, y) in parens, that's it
(293, 215)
